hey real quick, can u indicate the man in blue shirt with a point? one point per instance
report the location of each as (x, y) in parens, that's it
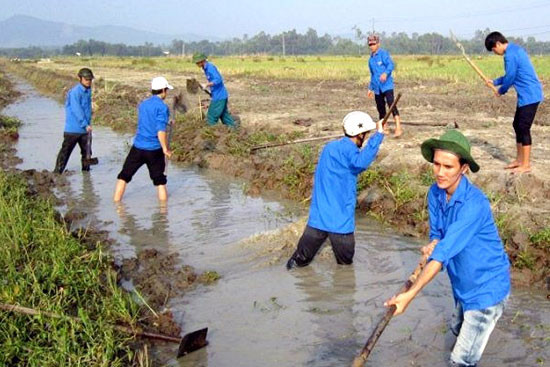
(520, 74)
(332, 210)
(381, 81)
(150, 143)
(218, 105)
(464, 241)
(78, 121)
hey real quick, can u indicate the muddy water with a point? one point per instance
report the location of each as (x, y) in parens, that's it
(262, 315)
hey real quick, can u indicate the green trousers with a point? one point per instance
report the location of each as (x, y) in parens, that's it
(218, 110)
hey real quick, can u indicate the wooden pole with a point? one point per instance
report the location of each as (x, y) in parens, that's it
(360, 360)
(306, 140)
(474, 66)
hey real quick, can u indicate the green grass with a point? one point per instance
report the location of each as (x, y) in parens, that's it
(42, 266)
(449, 68)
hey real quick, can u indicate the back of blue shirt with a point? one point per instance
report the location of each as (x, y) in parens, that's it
(379, 63)
(78, 109)
(218, 88)
(469, 245)
(153, 115)
(520, 74)
(335, 183)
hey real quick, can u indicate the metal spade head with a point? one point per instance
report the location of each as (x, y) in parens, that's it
(192, 342)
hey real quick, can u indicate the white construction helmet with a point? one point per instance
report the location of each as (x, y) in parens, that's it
(357, 122)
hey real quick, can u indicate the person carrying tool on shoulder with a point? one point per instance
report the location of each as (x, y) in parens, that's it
(381, 81)
(332, 210)
(218, 105)
(78, 121)
(464, 241)
(150, 142)
(520, 74)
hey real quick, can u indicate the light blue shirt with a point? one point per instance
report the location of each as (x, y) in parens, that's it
(213, 76)
(469, 245)
(153, 116)
(78, 109)
(380, 62)
(335, 184)
(520, 74)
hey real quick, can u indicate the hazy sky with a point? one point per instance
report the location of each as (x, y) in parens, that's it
(233, 18)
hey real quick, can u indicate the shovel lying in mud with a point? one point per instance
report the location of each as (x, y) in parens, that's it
(189, 343)
(89, 161)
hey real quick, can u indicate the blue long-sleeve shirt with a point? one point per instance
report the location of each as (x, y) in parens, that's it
(380, 62)
(213, 76)
(520, 74)
(78, 109)
(469, 245)
(153, 116)
(335, 183)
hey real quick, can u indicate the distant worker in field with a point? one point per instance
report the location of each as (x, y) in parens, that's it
(218, 108)
(78, 121)
(332, 210)
(464, 241)
(150, 142)
(381, 81)
(520, 74)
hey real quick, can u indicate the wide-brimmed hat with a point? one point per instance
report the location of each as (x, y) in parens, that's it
(198, 57)
(452, 141)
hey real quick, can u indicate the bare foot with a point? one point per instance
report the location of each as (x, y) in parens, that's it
(522, 169)
(398, 133)
(513, 164)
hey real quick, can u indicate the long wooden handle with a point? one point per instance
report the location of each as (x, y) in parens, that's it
(360, 360)
(124, 329)
(271, 145)
(392, 107)
(471, 63)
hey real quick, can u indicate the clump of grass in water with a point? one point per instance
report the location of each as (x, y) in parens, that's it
(44, 267)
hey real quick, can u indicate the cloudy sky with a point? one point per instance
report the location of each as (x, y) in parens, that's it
(233, 18)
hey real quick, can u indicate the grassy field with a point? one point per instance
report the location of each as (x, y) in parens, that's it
(353, 69)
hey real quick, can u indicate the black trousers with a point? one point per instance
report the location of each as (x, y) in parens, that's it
(381, 104)
(523, 119)
(343, 246)
(154, 159)
(69, 142)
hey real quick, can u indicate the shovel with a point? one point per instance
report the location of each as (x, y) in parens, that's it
(189, 343)
(193, 87)
(89, 160)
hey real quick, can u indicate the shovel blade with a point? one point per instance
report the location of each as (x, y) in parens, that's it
(192, 342)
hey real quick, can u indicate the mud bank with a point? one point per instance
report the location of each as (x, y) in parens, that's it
(150, 280)
(394, 189)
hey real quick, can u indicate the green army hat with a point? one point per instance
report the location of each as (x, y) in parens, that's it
(198, 57)
(453, 141)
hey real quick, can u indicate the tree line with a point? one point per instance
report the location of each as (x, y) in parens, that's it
(286, 43)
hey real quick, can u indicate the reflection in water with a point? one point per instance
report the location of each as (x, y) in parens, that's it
(319, 305)
(155, 234)
(330, 298)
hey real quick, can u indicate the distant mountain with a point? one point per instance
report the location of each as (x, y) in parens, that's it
(24, 31)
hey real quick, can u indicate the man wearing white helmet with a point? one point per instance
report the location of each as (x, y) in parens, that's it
(332, 210)
(150, 143)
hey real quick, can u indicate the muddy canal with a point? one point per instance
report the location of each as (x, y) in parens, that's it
(259, 314)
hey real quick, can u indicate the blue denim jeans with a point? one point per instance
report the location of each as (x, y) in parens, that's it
(473, 329)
